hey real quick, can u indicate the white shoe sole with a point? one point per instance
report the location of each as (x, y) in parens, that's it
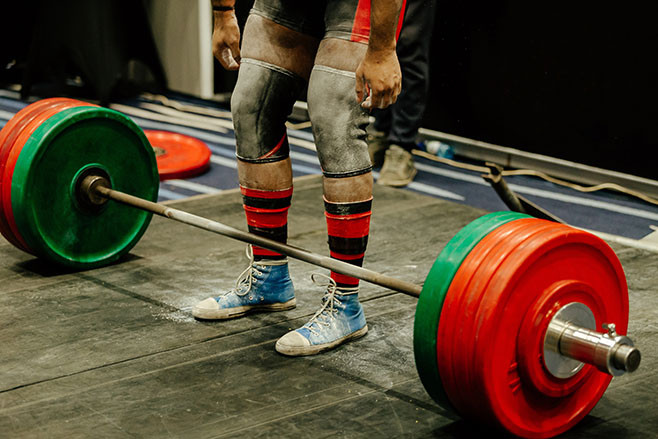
(239, 311)
(300, 351)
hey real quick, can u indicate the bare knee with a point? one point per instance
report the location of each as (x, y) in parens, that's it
(265, 176)
(348, 189)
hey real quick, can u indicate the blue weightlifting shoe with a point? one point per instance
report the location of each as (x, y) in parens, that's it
(339, 320)
(263, 286)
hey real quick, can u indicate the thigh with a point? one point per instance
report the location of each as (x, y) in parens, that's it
(347, 28)
(273, 43)
(303, 16)
(340, 54)
(348, 20)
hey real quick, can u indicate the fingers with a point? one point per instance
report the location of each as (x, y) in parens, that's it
(228, 61)
(381, 97)
(378, 83)
(226, 57)
(235, 50)
(226, 41)
(367, 103)
(360, 87)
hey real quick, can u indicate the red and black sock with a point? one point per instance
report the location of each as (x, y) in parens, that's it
(267, 216)
(348, 225)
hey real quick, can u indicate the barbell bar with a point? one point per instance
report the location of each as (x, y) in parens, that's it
(516, 323)
(95, 191)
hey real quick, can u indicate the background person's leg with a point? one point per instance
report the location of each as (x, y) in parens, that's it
(413, 51)
(399, 124)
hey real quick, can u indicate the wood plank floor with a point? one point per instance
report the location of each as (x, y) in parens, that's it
(114, 352)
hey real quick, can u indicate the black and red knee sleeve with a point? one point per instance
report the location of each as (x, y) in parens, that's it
(348, 226)
(267, 216)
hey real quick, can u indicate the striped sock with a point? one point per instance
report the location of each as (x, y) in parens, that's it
(348, 225)
(267, 216)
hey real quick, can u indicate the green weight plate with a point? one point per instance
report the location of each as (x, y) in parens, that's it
(47, 212)
(430, 302)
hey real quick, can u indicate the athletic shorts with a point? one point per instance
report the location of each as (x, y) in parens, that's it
(344, 19)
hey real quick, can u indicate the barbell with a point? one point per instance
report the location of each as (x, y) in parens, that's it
(517, 325)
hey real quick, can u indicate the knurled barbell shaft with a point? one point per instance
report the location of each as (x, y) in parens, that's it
(288, 250)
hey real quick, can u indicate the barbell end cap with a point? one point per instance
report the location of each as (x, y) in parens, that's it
(627, 358)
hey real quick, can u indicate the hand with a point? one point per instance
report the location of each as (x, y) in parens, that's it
(226, 40)
(378, 79)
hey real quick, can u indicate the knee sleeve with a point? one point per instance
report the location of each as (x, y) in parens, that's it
(339, 123)
(262, 100)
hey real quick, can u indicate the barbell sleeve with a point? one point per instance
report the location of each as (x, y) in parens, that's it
(610, 353)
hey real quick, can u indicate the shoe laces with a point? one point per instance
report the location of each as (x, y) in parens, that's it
(247, 278)
(331, 304)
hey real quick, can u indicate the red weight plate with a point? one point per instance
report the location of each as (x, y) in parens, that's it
(8, 135)
(13, 153)
(456, 327)
(578, 257)
(526, 282)
(178, 156)
(515, 237)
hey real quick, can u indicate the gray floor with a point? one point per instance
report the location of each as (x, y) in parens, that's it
(114, 352)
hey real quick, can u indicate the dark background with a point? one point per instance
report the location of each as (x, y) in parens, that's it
(574, 80)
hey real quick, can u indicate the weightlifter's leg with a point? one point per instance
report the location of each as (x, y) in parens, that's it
(275, 66)
(339, 125)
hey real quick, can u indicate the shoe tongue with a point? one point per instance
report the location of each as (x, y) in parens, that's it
(271, 262)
